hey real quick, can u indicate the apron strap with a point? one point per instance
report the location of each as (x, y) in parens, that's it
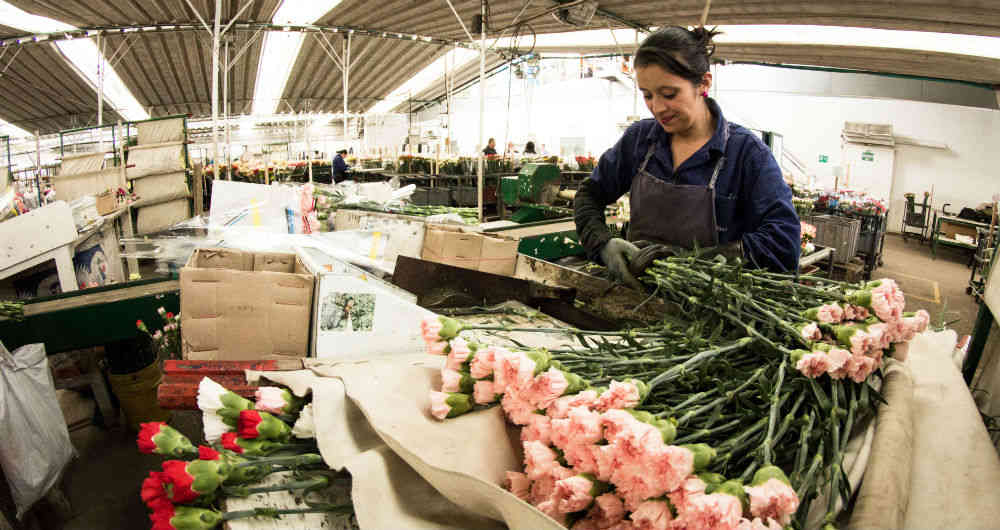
(722, 159)
(649, 154)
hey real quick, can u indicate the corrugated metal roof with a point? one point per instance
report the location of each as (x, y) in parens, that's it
(170, 72)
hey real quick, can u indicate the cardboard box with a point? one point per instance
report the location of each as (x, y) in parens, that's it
(238, 305)
(470, 250)
(107, 203)
(357, 315)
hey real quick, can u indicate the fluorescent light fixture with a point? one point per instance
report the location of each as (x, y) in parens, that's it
(280, 50)
(457, 57)
(974, 45)
(83, 56)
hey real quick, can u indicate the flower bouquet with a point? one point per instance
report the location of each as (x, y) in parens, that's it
(585, 163)
(735, 412)
(251, 440)
(167, 340)
(808, 236)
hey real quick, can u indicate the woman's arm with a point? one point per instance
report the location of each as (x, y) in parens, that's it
(611, 178)
(774, 243)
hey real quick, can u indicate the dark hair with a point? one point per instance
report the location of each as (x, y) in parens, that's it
(491, 140)
(529, 147)
(342, 152)
(680, 51)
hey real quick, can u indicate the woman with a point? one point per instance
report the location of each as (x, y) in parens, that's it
(693, 178)
(491, 147)
(529, 148)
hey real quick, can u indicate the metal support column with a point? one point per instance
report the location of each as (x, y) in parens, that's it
(216, 37)
(38, 166)
(225, 110)
(482, 107)
(100, 92)
(346, 71)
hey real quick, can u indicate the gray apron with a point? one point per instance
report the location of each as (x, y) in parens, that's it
(674, 214)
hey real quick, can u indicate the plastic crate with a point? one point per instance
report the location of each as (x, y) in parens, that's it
(466, 196)
(837, 232)
(420, 197)
(439, 196)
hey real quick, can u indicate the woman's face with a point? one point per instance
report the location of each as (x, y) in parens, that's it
(673, 100)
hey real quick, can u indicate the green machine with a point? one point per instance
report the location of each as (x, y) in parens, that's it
(533, 192)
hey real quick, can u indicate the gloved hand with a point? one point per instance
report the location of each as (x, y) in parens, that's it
(731, 251)
(650, 252)
(616, 254)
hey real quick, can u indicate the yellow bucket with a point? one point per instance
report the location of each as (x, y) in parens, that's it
(137, 395)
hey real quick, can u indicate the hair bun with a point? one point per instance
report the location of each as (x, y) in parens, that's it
(703, 36)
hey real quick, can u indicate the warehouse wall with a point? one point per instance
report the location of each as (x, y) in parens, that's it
(964, 174)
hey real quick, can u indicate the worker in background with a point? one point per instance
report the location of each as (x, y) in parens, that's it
(529, 148)
(340, 167)
(491, 148)
(693, 178)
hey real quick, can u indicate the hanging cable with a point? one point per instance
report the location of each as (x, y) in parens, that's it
(506, 133)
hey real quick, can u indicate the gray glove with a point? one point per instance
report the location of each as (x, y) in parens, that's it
(731, 251)
(616, 254)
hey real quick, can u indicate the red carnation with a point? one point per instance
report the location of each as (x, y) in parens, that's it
(175, 472)
(146, 434)
(249, 420)
(207, 453)
(229, 442)
(170, 315)
(161, 517)
(153, 492)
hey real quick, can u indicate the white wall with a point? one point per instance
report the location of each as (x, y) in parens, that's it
(966, 174)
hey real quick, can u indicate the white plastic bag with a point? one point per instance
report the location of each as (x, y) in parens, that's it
(36, 445)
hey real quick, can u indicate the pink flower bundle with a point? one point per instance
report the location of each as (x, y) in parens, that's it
(853, 338)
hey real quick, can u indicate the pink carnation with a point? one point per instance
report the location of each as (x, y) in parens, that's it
(538, 429)
(539, 459)
(439, 408)
(518, 410)
(518, 483)
(515, 370)
(811, 332)
(860, 367)
(813, 364)
(606, 460)
(692, 487)
(670, 465)
(758, 524)
(585, 524)
(581, 457)
(607, 511)
(830, 314)
(270, 399)
(773, 500)
(582, 427)
(838, 358)
(652, 515)
(560, 407)
(436, 348)
(623, 525)
(573, 494)
(450, 380)
(881, 335)
(888, 300)
(459, 353)
(483, 393)
(545, 484)
(482, 364)
(861, 342)
(430, 327)
(619, 396)
(855, 312)
(546, 387)
(918, 322)
(718, 511)
(884, 308)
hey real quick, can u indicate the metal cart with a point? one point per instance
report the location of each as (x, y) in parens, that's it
(982, 261)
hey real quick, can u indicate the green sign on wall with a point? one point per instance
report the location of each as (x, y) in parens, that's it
(868, 156)
(823, 159)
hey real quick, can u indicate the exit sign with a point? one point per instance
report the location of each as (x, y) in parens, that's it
(868, 156)
(823, 159)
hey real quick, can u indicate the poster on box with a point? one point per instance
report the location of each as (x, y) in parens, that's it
(358, 318)
(91, 266)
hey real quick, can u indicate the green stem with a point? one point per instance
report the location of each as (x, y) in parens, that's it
(703, 434)
(773, 415)
(564, 331)
(274, 513)
(290, 461)
(313, 483)
(702, 356)
(800, 462)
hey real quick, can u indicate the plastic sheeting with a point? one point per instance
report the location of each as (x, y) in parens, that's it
(36, 445)
(76, 164)
(158, 131)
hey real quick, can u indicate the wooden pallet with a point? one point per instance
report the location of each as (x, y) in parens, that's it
(179, 388)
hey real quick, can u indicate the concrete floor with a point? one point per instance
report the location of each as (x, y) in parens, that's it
(103, 483)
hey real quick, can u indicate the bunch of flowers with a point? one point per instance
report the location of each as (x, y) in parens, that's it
(808, 232)
(166, 340)
(585, 163)
(716, 418)
(186, 494)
